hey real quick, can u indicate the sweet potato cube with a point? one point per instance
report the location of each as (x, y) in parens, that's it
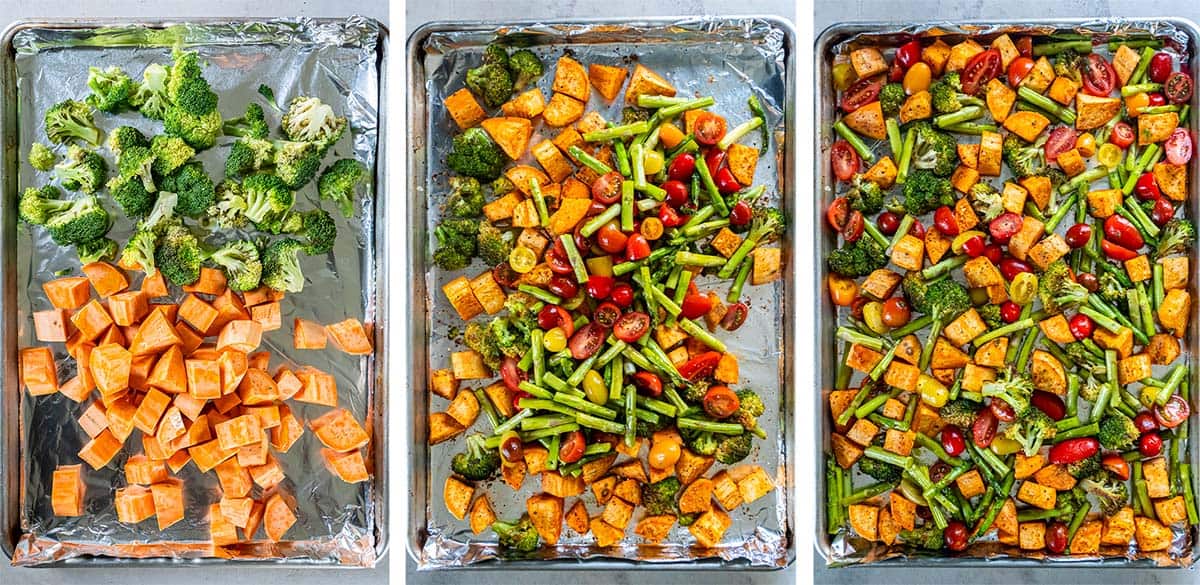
(209, 455)
(242, 335)
(349, 467)
(646, 82)
(463, 108)
(234, 365)
(257, 388)
(203, 378)
(310, 335)
(211, 282)
(457, 496)
(238, 431)
(155, 286)
(607, 79)
(134, 504)
(67, 490)
(546, 514)
(110, 365)
(80, 387)
(755, 484)
(169, 374)
(198, 313)
(69, 292)
(350, 337)
(767, 265)
(151, 409)
(235, 479)
(278, 517)
(128, 308)
(1032, 535)
(105, 278)
(468, 365)
(237, 510)
(39, 374)
(92, 320)
(318, 387)
(288, 384)
(53, 325)
(100, 450)
(617, 513)
(142, 470)
(338, 430)
(1038, 495)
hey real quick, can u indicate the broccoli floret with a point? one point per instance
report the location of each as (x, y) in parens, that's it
(139, 250)
(82, 170)
(179, 255)
(136, 164)
(474, 154)
(124, 137)
(482, 340)
(229, 207)
(767, 224)
(131, 195)
(252, 124)
(1023, 159)
(185, 66)
(501, 186)
(192, 112)
(267, 197)
(466, 197)
(525, 67)
(1058, 289)
(865, 196)
(85, 220)
(858, 258)
(162, 214)
(41, 157)
(458, 233)
(1069, 64)
(296, 163)
(959, 412)
(879, 470)
(200, 131)
(249, 155)
(1031, 429)
(151, 95)
(1056, 175)
(69, 120)
(477, 462)
(494, 244)
(1111, 290)
(241, 263)
(513, 341)
(450, 259)
(281, 266)
(1176, 237)
(734, 448)
(934, 150)
(112, 89)
(1117, 432)
(269, 94)
(319, 231)
(944, 97)
(309, 120)
(1013, 387)
(516, 536)
(1112, 493)
(495, 54)
(694, 392)
(700, 442)
(659, 497)
(924, 192)
(991, 315)
(750, 407)
(170, 153)
(1091, 390)
(37, 206)
(194, 188)
(891, 97)
(491, 82)
(338, 184)
(633, 114)
(927, 536)
(100, 249)
(986, 201)
(954, 80)
(915, 288)
(1085, 467)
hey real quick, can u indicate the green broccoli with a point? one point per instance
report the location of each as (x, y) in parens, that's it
(525, 67)
(240, 261)
(633, 114)
(41, 157)
(69, 120)
(500, 187)
(139, 250)
(491, 81)
(659, 497)
(124, 137)
(112, 89)
(185, 67)
(734, 448)
(891, 98)
(1056, 175)
(131, 195)
(474, 154)
(700, 442)
(858, 258)
(924, 192)
(1023, 159)
(1085, 467)
(866, 196)
(151, 96)
(482, 340)
(1031, 429)
(229, 206)
(296, 163)
(1013, 387)
(252, 124)
(750, 407)
(1069, 64)
(466, 198)
(879, 470)
(934, 150)
(170, 153)
(100, 249)
(991, 315)
(1117, 432)
(137, 162)
(944, 97)
(309, 120)
(281, 266)
(516, 536)
(927, 536)
(494, 54)
(1112, 493)
(179, 255)
(85, 220)
(288, 222)
(162, 214)
(82, 170)
(477, 462)
(946, 300)
(1176, 237)
(267, 197)
(493, 244)
(193, 187)
(269, 94)
(511, 339)
(954, 80)
(986, 201)
(249, 155)
(338, 184)
(959, 412)
(192, 112)
(200, 131)
(1057, 288)
(915, 288)
(38, 205)
(319, 231)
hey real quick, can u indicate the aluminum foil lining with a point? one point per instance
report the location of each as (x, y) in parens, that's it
(724, 59)
(333, 60)
(846, 548)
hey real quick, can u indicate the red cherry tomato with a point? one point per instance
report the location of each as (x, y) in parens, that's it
(993, 252)
(607, 313)
(714, 159)
(726, 184)
(974, 246)
(682, 167)
(909, 53)
(611, 239)
(648, 383)
(981, 69)
(562, 286)
(1173, 413)
(637, 247)
(708, 128)
(677, 192)
(1056, 537)
(631, 326)
(1081, 326)
(1150, 445)
(1145, 422)
(838, 213)
(607, 188)
(1162, 212)
(735, 315)
(1178, 87)
(587, 341)
(556, 259)
(572, 447)
(1116, 465)
(599, 287)
(669, 217)
(1179, 147)
(1146, 187)
(1099, 77)
(945, 221)
(1072, 450)
(622, 295)
(1121, 230)
(1049, 403)
(1010, 312)
(1156, 99)
(740, 214)
(1116, 251)
(853, 229)
(917, 230)
(1011, 267)
(1018, 69)
(888, 223)
(1061, 139)
(984, 428)
(720, 402)
(846, 161)
(552, 316)
(956, 535)
(896, 312)
(953, 441)
(700, 366)
(895, 73)
(1122, 135)
(1088, 280)
(861, 93)
(511, 375)
(517, 397)
(1078, 235)
(1160, 67)
(1002, 410)
(695, 306)
(1025, 46)
(1005, 226)
(505, 275)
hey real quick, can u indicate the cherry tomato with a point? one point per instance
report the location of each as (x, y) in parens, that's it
(1160, 67)
(607, 313)
(695, 305)
(1005, 226)
(552, 316)
(572, 447)
(700, 366)
(1150, 445)
(956, 535)
(1173, 413)
(607, 188)
(1011, 267)
(1072, 450)
(631, 326)
(664, 454)
(637, 247)
(1049, 403)
(917, 230)
(1088, 280)
(993, 252)
(720, 402)
(895, 73)
(1002, 410)
(1178, 87)
(1145, 422)
(1121, 230)
(945, 221)
(622, 294)
(599, 287)
(669, 217)
(1116, 251)
(714, 159)
(740, 214)
(984, 428)
(1078, 235)
(908, 53)
(517, 397)
(511, 447)
(726, 184)
(682, 167)
(861, 93)
(1162, 212)
(511, 374)
(556, 259)
(888, 222)
(1010, 312)
(896, 312)
(1146, 187)
(1099, 77)
(588, 340)
(974, 246)
(846, 161)
(981, 69)
(735, 315)
(1062, 139)
(1122, 135)
(1056, 537)
(1081, 326)
(856, 307)
(1116, 465)
(853, 229)
(648, 383)
(611, 239)
(708, 128)
(1156, 99)
(953, 441)
(677, 192)
(505, 275)
(838, 213)
(1179, 147)
(1018, 69)
(562, 286)
(1025, 46)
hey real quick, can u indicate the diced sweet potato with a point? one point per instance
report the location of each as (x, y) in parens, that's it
(338, 430)
(349, 467)
(646, 82)
(278, 517)
(105, 278)
(525, 105)
(134, 504)
(92, 320)
(70, 292)
(463, 108)
(562, 110)
(204, 378)
(39, 374)
(318, 387)
(67, 490)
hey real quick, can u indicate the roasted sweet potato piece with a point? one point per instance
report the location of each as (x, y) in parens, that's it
(350, 337)
(546, 513)
(70, 292)
(349, 467)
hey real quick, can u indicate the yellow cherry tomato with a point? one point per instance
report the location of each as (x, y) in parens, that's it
(555, 340)
(1086, 144)
(933, 393)
(652, 228)
(916, 80)
(1005, 446)
(1024, 288)
(1110, 155)
(664, 454)
(873, 316)
(522, 259)
(653, 161)
(843, 76)
(960, 239)
(594, 387)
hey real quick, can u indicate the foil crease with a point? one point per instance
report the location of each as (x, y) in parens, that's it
(727, 59)
(847, 549)
(335, 60)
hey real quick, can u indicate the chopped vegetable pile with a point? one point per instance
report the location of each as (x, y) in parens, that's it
(1047, 400)
(595, 262)
(182, 381)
